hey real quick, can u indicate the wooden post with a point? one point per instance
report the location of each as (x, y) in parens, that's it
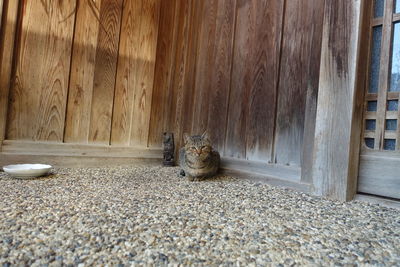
(7, 37)
(1, 12)
(338, 124)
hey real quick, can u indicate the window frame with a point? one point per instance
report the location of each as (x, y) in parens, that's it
(383, 95)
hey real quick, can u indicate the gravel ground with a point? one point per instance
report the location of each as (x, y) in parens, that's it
(150, 216)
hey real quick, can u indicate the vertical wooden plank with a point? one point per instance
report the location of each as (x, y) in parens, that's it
(235, 143)
(105, 71)
(7, 38)
(39, 93)
(161, 104)
(180, 69)
(249, 133)
(315, 33)
(264, 75)
(220, 80)
(82, 72)
(335, 161)
(127, 74)
(145, 72)
(205, 66)
(298, 46)
(195, 23)
(1, 12)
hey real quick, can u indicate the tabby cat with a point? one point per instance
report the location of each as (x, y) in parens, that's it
(197, 158)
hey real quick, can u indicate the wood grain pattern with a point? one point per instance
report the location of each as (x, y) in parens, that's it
(219, 83)
(128, 62)
(315, 34)
(162, 95)
(379, 174)
(358, 105)
(39, 92)
(145, 72)
(251, 112)
(7, 38)
(254, 76)
(235, 144)
(137, 55)
(189, 83)
(301, 42)
(332, 170)
(264, 75)
(140, 68)
(180, 69)
(105, 71)
(82, 72)
(1, 12)
(205, 66)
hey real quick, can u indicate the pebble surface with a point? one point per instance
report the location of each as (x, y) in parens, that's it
(149, 216)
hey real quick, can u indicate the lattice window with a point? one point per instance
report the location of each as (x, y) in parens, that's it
(382, 113)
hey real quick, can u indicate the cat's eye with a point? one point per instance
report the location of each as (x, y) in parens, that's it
(193, 148)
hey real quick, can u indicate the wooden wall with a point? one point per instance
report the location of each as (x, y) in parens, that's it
(84, 71)
(251, 79)
(122, 72)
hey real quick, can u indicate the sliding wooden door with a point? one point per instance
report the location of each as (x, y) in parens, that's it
(380, 154)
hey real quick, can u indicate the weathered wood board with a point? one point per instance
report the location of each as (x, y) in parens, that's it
(38, 94)
(379, 174)
(239, 97)
(334, 171)
(299, 69)
(135, 76)
(264, 74)
(105, 71)
(162, 109)
(213, 73)
(1, 12)
(7, 38)
(251, 112)
(127, 71)
(82, 72)
(181, 69)
(205, 66)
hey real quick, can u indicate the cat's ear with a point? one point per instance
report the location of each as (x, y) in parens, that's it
(185, 138)
(205, 136)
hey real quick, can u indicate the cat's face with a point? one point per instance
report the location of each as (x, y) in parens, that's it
(198, 147)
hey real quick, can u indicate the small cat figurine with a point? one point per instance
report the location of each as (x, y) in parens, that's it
(169, 148)
(197, 158)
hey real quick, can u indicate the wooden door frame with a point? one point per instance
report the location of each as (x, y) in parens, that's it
(340, 99)
(378, 166)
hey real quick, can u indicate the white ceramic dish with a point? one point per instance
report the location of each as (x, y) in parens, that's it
(25, 171)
